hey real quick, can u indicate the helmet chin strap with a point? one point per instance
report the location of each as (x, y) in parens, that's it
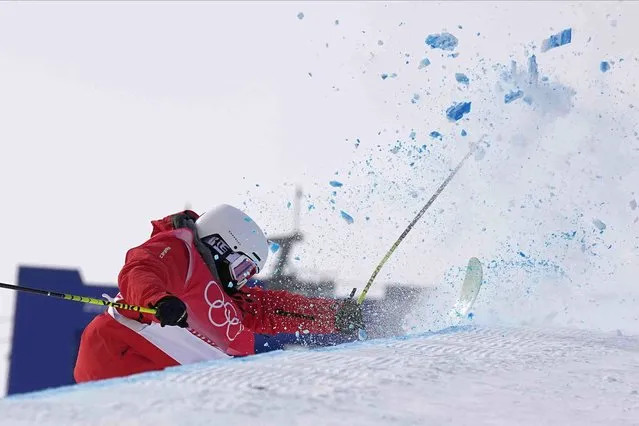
(224, 271)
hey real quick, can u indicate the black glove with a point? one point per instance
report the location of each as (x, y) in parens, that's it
(348, 318)
(171, 311)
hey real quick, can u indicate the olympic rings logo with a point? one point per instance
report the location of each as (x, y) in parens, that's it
(223, 313)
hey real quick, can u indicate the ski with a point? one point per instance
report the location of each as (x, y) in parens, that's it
(469, 291)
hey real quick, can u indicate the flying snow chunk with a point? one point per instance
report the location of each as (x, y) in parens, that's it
(347, 217)
(461, 78)
(533, 70)
(463, 132)
(604, 66)
(423, 63)
(444, 41)
(458, 110)
(633, 204)
(435, 135)
(335, 184)
(556, 40)
(274, 246)
(513, 95)
(599, 224)
(361, 334)
(300, 15)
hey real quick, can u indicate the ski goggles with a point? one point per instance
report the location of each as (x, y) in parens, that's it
(241, 267)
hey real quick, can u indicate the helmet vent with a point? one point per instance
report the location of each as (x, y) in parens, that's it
(257, 257)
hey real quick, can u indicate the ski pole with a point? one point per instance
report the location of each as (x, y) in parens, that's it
(410, 226)
(82, 299)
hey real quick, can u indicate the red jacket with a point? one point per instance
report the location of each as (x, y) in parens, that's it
(170, 263)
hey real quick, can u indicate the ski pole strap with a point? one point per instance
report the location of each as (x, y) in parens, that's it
(410, 226)
(82, 299)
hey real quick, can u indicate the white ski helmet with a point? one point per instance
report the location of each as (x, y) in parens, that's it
(237, 229)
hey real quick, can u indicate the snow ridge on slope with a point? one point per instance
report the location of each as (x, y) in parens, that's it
(461, 375)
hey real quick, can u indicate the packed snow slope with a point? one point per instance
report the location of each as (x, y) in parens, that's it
(461, 375)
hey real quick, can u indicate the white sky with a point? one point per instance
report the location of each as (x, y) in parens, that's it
(113, 114)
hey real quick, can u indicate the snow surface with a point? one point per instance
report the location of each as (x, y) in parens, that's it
(461, 375)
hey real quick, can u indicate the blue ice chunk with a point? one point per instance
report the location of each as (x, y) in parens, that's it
(463, 132)
(288, 205)
(528, 100)
(522, 254)
(362, 335)
(423, 63)
(274, 246)
(396, 148)
(513, 95)
(357, 143)
(556, 40)
(599, 224)
(461, 78)
(604, 66)
(533, 70)
(435, 135)
(311, 207)
(335, 184)
(458, 110)
(247, 219)
(297, 258)
(347, 217)
(453, 55)
(415, 98)
(412, 135)
(384, 76)
(444, 41)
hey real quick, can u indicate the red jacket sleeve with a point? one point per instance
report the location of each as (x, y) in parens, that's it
(273, 311)
(152, 271)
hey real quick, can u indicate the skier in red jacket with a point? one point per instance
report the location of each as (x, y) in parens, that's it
(192, 271)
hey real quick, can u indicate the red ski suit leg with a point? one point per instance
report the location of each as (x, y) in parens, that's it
(109, 349)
